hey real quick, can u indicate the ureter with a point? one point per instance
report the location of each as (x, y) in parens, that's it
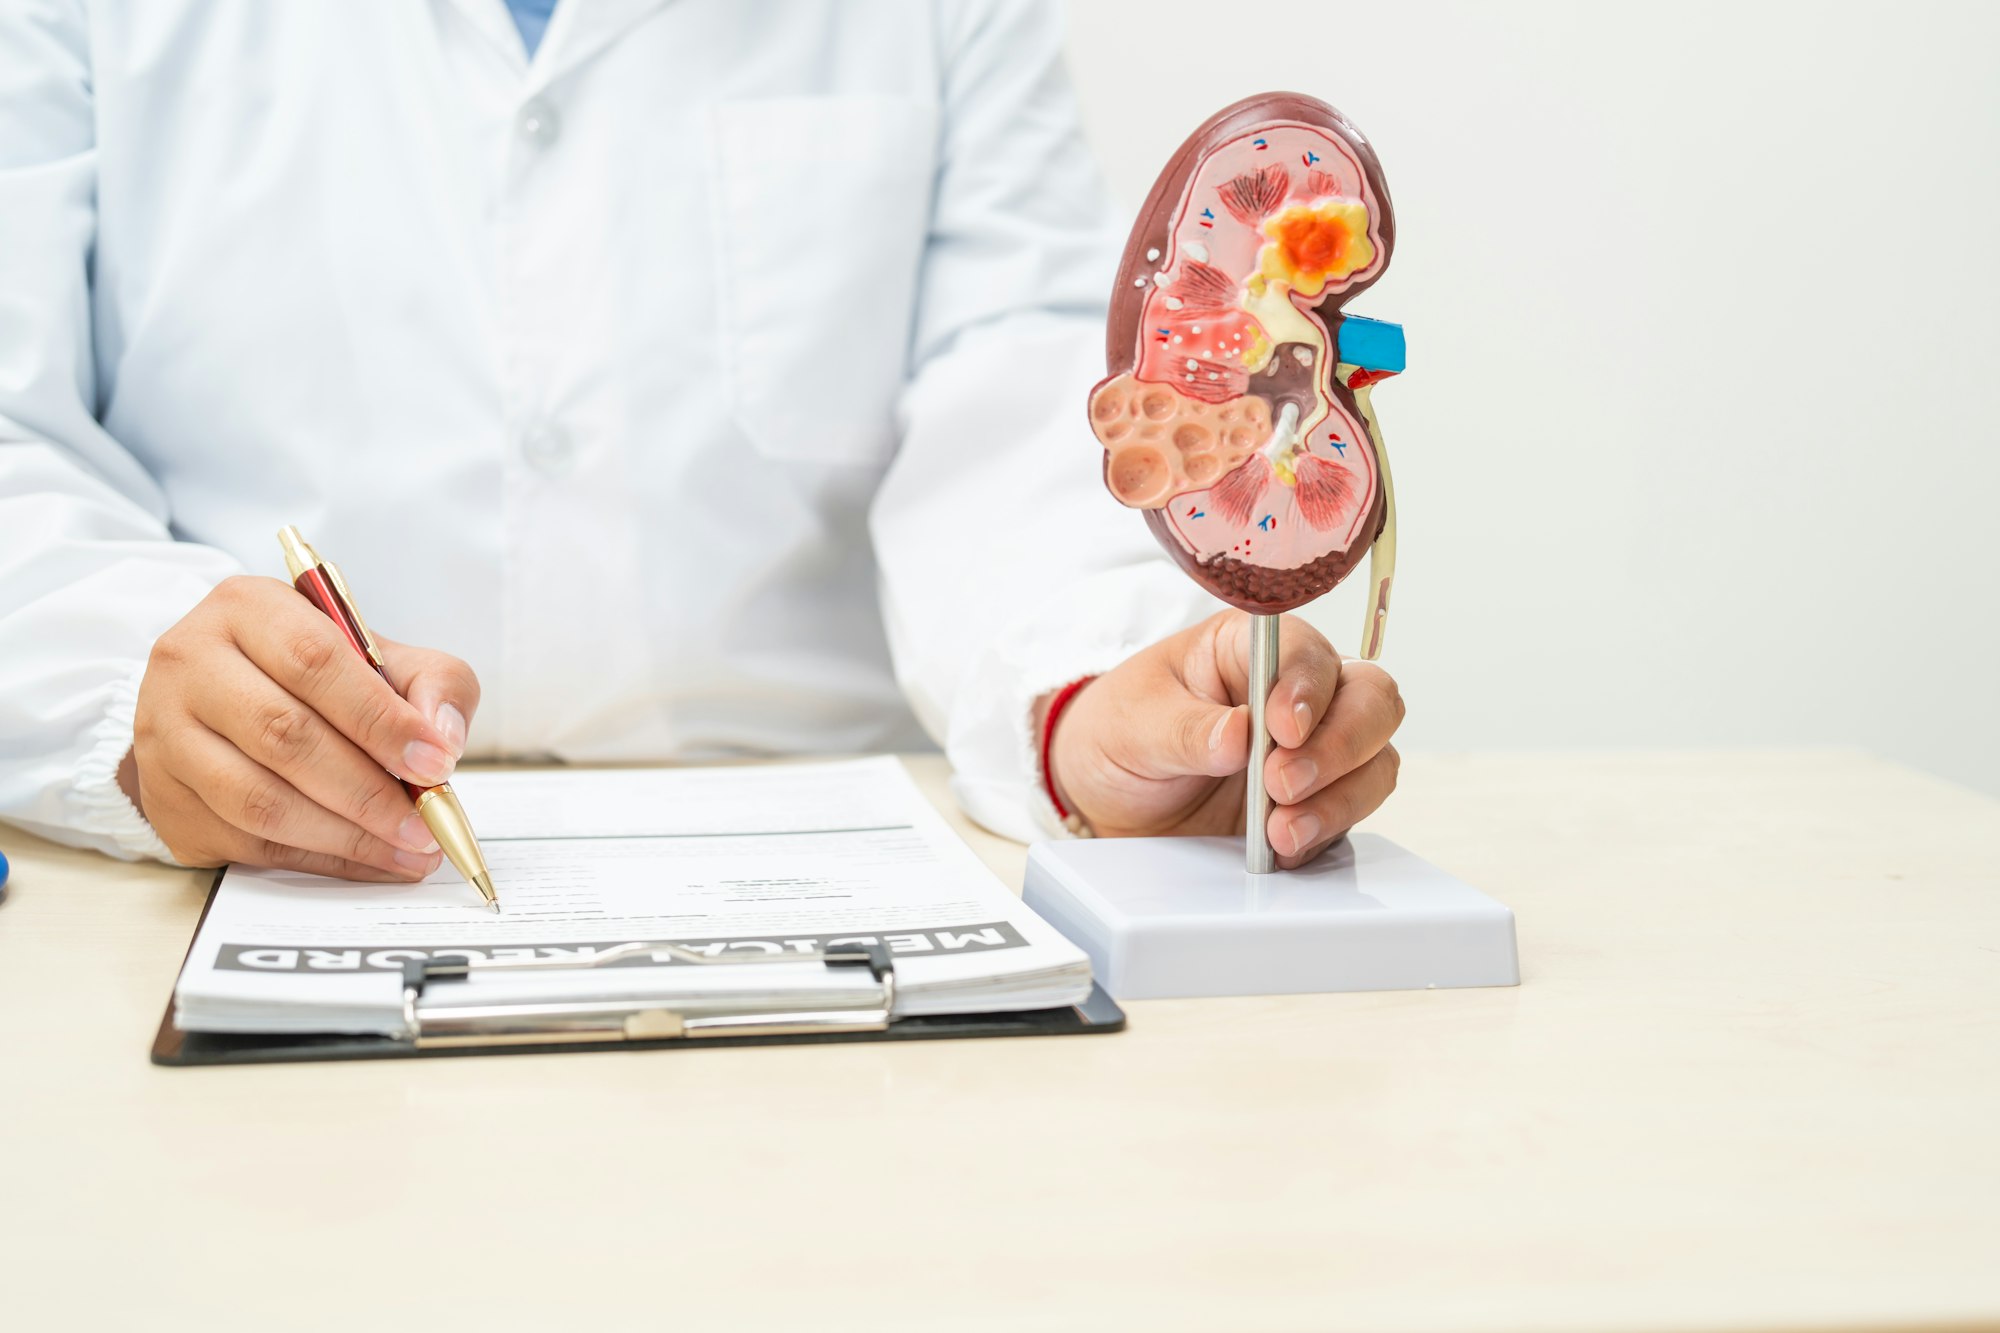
(1382, 555)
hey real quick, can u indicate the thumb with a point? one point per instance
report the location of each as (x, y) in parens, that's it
(441, 687)
(1192, 735)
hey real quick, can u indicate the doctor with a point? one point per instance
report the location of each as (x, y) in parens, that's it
(708, 372)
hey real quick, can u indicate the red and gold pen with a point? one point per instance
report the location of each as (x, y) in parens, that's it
(320, 581)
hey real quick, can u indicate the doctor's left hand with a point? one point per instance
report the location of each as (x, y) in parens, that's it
(1159, 744)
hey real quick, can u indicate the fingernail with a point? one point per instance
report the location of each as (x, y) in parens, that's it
(416, 835)
(1215, 737)
(1299, 776)
(1304, 713)
(425, 763)
(1305, 832)
(451, 723)
(417, 864)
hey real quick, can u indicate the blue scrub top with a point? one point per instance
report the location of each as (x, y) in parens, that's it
(532, 18)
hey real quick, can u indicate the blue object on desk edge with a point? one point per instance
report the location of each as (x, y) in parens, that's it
(3, 877)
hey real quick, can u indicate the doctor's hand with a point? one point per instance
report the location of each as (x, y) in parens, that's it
(1159, 744)
(261, 736)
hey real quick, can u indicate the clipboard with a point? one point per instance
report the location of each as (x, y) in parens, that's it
(619, 1025)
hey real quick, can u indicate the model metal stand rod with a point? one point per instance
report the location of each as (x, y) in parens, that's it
(1259, 856)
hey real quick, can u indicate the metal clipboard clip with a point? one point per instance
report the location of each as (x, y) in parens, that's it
(634, 1019)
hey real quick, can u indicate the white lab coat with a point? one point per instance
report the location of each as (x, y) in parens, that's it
(712, 383)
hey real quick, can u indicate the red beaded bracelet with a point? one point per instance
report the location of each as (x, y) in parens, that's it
(1056, 706)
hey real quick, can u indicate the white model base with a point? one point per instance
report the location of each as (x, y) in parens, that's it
(1165, 917)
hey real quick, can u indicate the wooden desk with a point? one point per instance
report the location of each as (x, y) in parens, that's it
(1752, 1080)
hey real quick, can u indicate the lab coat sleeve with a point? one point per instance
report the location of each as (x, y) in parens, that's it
(1007, 570)
(89, 574)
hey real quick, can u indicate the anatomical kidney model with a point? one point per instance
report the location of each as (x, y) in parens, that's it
(1236, 411)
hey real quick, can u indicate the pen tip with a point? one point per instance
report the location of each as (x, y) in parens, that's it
(484, 883)
(496, 907)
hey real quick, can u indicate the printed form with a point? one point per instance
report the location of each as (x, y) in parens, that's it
(765, 860)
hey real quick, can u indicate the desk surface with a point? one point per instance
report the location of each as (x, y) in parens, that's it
(1752, 1079)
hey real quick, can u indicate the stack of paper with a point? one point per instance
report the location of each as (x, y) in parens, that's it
(727, 861)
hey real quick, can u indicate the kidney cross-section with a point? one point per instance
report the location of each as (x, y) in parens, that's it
(1227, 416)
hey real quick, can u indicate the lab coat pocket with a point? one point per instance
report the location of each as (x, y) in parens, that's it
(822, 213)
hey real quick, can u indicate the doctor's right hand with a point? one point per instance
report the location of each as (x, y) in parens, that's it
(261, 736)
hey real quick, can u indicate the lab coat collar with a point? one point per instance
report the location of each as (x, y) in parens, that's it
(579, 30)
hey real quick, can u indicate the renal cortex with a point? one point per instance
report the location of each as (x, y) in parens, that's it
(1231, 414)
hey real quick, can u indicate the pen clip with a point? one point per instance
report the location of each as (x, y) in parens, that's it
(340, 590)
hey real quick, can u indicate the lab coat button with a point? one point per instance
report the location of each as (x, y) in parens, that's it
(537, 123)
(547, 450)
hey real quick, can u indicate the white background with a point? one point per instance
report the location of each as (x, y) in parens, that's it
(1696, 447)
